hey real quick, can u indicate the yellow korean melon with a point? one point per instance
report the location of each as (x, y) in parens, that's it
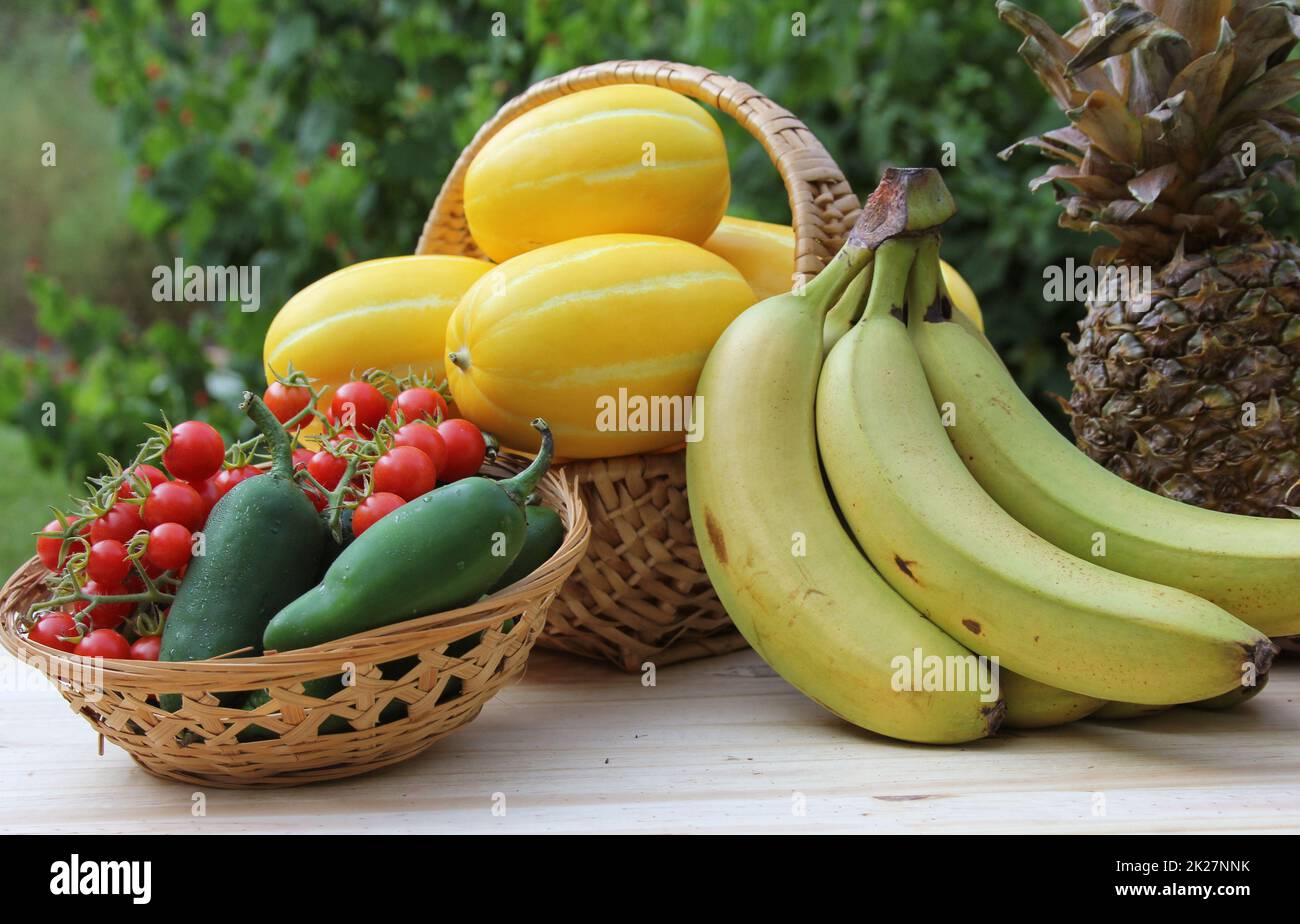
(629, 158)
(764, 254)
(602, 336)
(385, 314)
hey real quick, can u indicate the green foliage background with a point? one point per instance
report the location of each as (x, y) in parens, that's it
(226, 152)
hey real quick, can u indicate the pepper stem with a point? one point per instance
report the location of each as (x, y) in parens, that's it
(523, 484)
(277, 440)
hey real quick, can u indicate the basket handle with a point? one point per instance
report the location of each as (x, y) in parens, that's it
(822, 204)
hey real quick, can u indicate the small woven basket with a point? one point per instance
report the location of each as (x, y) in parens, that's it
(454, 662)
(642, 594)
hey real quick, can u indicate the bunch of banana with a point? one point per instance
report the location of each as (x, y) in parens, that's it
(988, 533)
(790, 577)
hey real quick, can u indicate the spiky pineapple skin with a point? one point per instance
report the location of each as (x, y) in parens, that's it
(1195, 393)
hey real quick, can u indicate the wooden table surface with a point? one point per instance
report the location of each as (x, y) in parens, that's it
(716, 745)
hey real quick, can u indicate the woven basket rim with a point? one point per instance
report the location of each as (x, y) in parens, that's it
(281, 668)
(802, 161)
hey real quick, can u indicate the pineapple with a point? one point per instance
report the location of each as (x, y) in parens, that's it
(1178, 115)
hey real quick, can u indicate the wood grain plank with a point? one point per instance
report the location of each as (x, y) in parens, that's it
(716, 745)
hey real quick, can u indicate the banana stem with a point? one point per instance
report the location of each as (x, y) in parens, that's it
(825, 289)
(908, 201)
(925, 299)
(848, 309)
(889, 281)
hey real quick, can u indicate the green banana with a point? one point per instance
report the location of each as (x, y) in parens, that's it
(790, 577)
(1122, 712)
(1239, 694)
(951, 551)
(1250, 566)
(1234, 697)
(1031, 704)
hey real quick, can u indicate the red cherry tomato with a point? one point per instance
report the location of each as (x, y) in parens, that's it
(121, 523)
(169, 546)
(107, 562)
(406, 472)
(327, 469)
(47, 549)
(360, 405)
(148, 472)
(424, 437)
(146, 648)
(301, 456)
(465, 449)
(175, 502)
(419, 404)
(318, 500)
(105, 615)
(156, 476)
(52, 629)
(196, 451)
(229, 477)
(373, 508)
(103, 643)
(226, 479)
(209, 493)
(287, 401)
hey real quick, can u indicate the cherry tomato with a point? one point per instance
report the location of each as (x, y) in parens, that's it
(301, 456)
(419, 404)
(196, 451)
(406, 472)
(318, 500)
(286, 401)
(424, 437)
(210, 493)
(103, 643)
(226, 479)
(169, 546)
(465, 449)
(47, 548)
(107, 562)
(121, 523)
(175, 502)
(373, 508)
(105, 615)
(156, 476)
(360, 405)
(153, 475)
(229, 477)
(146, 648)
(327, 469)
(53, 628)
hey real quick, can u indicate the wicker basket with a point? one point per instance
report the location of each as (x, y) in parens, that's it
(642, 593)
(198, 744)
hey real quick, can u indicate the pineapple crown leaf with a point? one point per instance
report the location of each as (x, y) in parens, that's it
(1178, 115)
(1121, 29)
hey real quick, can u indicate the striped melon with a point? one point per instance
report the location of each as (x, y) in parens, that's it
(386, 314)
(614, 159)
(603, 336)
(764, 254)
